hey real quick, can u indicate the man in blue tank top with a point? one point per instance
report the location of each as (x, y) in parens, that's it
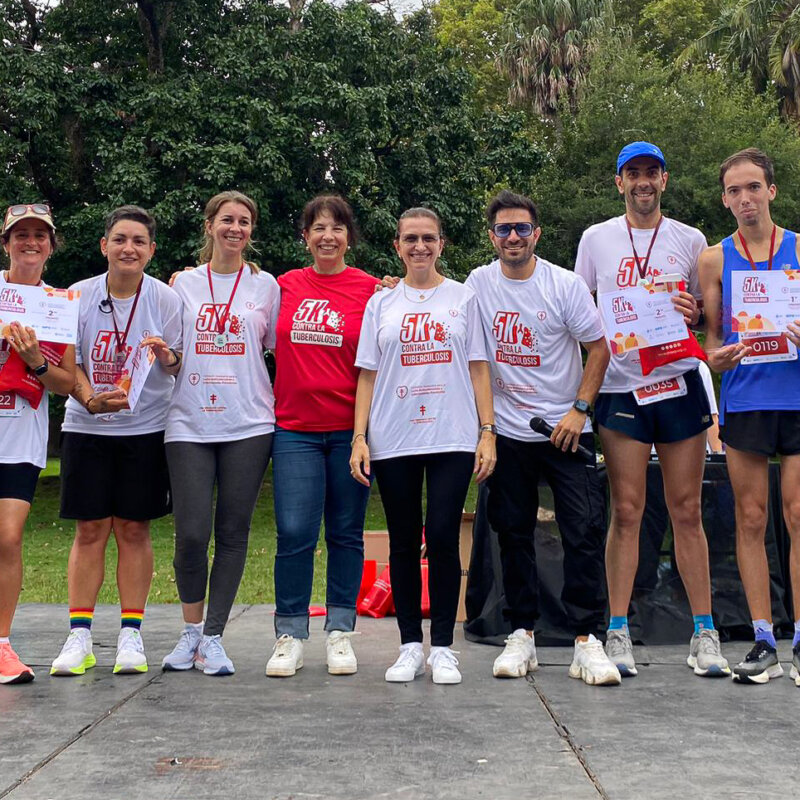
(760, 397)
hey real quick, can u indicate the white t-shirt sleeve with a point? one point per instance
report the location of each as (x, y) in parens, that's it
(699, 244)
(368, 355)
(584, 265)
(272, 320)
(476, 341)
(172, 313)
(581, 315)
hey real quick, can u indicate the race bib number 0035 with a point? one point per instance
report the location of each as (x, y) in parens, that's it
(663, 390)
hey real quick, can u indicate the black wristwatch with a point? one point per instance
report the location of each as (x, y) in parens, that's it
(39, 371)
(583, 407)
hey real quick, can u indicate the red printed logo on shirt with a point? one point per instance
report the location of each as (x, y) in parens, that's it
(315, 322)
(424, 340)
(106, 368)
(212, 339)
(628, 274)
(517, 343)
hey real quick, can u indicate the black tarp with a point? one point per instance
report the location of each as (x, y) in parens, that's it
(659, 612)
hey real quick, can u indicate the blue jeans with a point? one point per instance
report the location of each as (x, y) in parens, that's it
(311, 475)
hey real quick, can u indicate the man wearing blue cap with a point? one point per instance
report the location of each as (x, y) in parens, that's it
(668, 408)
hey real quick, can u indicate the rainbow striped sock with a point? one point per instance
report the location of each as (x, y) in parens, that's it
(132, 618)
(81, 618)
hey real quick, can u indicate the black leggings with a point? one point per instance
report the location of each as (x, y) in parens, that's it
(447, 478)
(238, 469)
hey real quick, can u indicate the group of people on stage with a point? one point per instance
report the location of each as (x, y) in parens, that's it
(421, 385)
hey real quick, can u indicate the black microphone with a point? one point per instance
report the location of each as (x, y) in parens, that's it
(106, 306)
(540, 426)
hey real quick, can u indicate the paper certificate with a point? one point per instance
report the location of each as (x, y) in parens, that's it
(135, 374)
(52, 313)
(763, 302)
(641, 316)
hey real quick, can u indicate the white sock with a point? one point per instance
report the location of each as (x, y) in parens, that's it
(196, 626)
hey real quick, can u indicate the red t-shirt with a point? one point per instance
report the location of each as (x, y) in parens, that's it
(318, 327)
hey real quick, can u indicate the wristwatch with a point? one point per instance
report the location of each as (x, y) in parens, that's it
(583, 407)
(39, 371)
(489, 426)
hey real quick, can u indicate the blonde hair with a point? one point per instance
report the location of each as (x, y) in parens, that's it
(212, 209)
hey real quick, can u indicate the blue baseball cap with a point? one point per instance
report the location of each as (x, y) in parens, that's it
(636, 149)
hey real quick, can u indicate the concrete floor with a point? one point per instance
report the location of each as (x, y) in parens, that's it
(186, 736)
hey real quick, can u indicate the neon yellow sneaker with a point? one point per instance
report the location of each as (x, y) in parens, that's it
(76, 655)
(130, 652)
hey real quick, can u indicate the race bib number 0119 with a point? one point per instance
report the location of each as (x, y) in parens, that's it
(663, 390)
(768, 347)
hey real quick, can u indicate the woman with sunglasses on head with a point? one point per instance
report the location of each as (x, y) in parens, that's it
(220, 425)
(113, 466)
(28, 240)
(322, 306)
(423, 413)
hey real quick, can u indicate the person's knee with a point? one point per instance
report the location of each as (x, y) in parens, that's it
(791, 513)
(626, 517)
(751, 519)
(10, 543)
(686, 514)
(132, 533)
(92, 533)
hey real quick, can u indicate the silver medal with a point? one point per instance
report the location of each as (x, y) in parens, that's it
(220, 340)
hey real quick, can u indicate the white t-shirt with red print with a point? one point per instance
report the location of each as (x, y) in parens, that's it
(223, 392)
(605, 262)
(423, 401)
(532, 330)
(23, 429)
(158, 313)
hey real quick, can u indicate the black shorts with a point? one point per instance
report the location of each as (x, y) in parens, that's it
(114, 476)
(671, 420)
(765, 433)
(18, 481)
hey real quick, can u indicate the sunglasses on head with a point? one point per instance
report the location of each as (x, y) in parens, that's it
(502, 230)
(20, 210)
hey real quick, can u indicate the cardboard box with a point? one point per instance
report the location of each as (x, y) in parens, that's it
(376, 548)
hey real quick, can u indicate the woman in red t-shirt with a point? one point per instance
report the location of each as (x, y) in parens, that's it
(318, 327)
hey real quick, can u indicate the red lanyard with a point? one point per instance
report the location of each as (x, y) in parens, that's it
(222, 319)
(643, 269)
(122, 338)
(771, 249)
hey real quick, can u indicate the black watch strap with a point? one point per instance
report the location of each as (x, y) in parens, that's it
(39, 371)
(582, 406)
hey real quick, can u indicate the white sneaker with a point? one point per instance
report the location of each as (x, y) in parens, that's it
(444, 665)
(410, 663)
(185, 651)
(341, 658)
(130, 652)
(591, 664)
(518, 658)
(76, 655)
(286, 658)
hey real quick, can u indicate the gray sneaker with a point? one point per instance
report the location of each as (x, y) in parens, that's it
(794, 673)
(619, 649)
(759, 665)
(705, 655)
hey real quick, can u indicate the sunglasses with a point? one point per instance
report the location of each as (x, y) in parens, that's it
(36, 208)
(502, 230)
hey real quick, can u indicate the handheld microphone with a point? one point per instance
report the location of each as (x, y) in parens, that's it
(540, 426)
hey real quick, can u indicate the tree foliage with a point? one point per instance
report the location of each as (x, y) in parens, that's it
(697, 117)
(546, 48)
(164, 103)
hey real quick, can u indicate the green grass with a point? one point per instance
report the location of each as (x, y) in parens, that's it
(48, 540)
